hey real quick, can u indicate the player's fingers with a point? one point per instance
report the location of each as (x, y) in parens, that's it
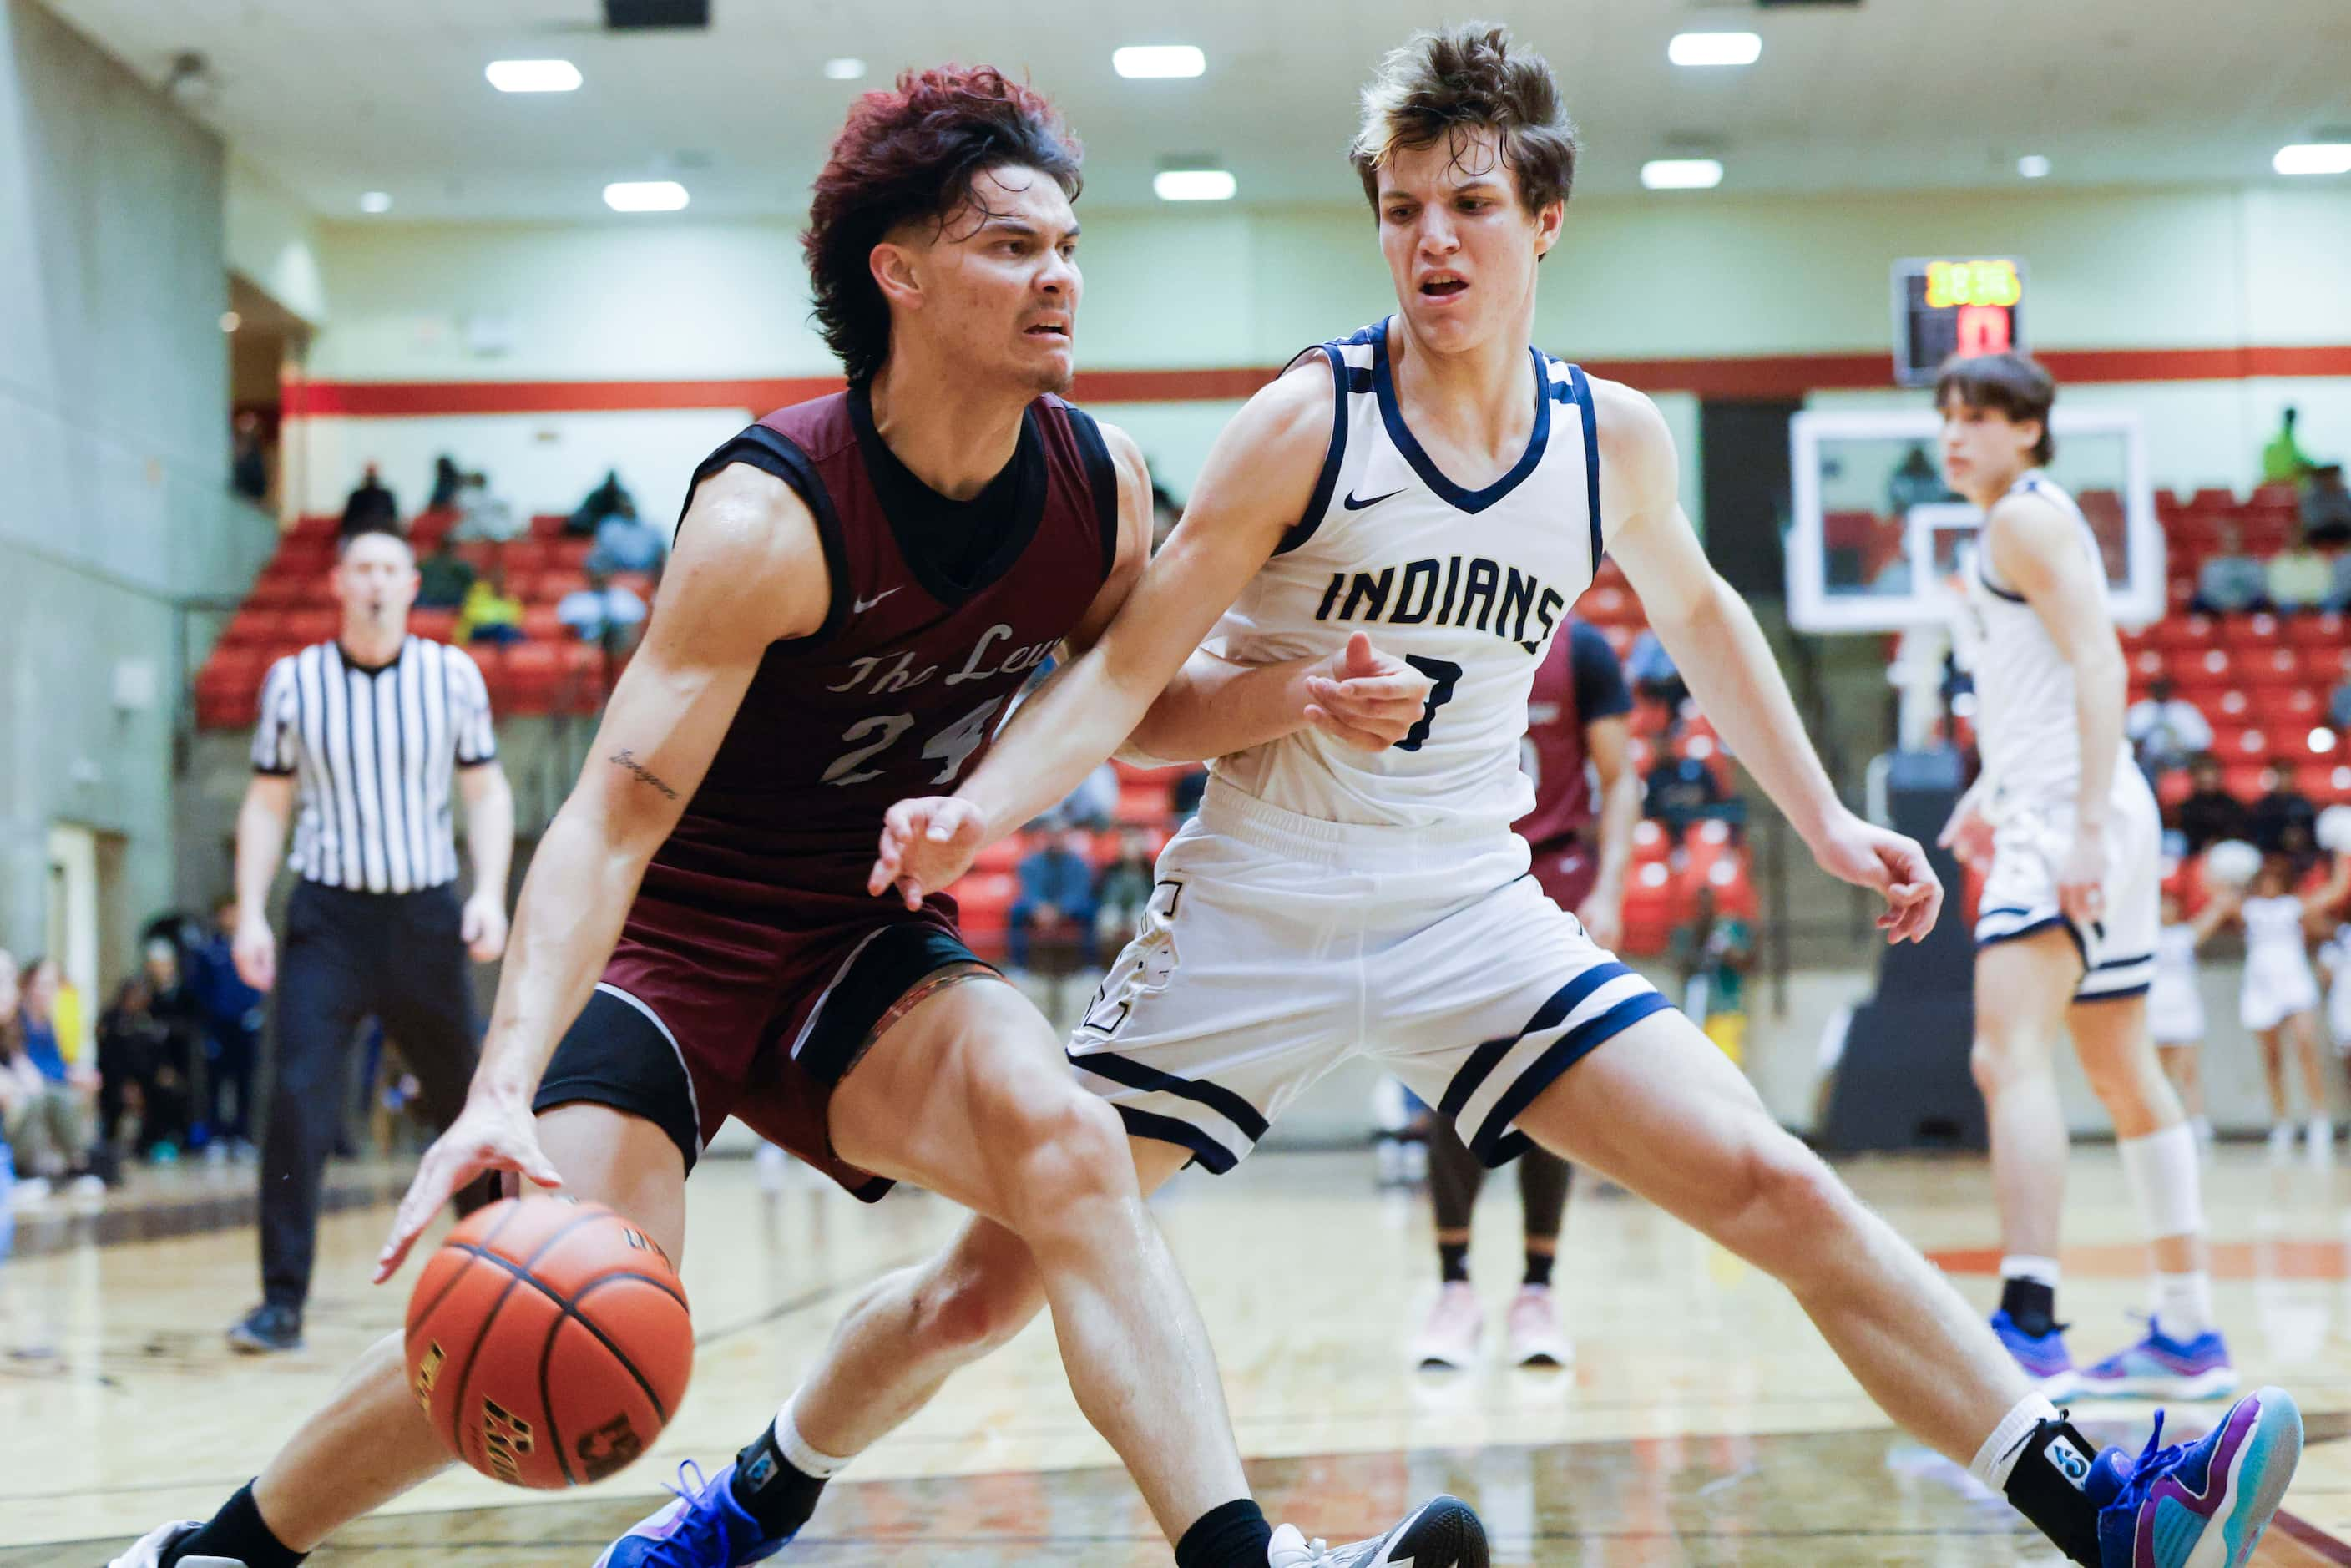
(1360, 659)
(1409, 685)
(911, 890)
(1346, 733)
(532, 1161)
(426, 1194)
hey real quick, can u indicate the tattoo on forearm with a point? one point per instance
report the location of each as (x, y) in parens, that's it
(626, 758)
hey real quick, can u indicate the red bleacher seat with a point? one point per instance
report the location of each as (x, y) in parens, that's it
(550, 586)
(579, 688)
(984, 901)
(1004, 854)
(1620, 640)
(1145, 801)
(2231, 707)
(1649, 841)
(2245, 633)
(2272, 667)
(1608, 606)
(251, 628)
(439, 625)
(2333, 786)
(2185, 633)
(314, 528)
(279, 593)
(2330, 631)
(2172, 788)
(531, 671)
(2324, 667)
(2243, 779)
(2212, 499)
(548, 525)
(524, 557)
(312, 625)
(2239, 743)
(425, 530)
(541, 625)
(2284, 707)
(228, 691)
(569, 554)
(2147, 663)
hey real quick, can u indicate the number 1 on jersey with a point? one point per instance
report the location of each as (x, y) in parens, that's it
(1447, 675)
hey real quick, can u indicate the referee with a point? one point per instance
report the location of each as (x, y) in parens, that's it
(360, 743)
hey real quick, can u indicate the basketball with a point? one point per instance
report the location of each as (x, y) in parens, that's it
(548, 1341)
(2233, 863)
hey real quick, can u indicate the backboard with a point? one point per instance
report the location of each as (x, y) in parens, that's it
(1877, 541)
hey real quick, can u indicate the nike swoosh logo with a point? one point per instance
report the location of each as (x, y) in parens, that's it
(863, 605)
(1355, 506)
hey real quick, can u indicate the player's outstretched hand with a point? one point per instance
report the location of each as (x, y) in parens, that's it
(1368, 699)
(487, 1135)
(1968, 834)
(1890, 865)
(2082, 875)
(925, 844)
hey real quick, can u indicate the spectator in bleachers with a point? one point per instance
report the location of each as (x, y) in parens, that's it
(1185, 798)
(369, 505)
(2166, 729)
(443, 577)
(248, 461)
(446, 481)
(231, 1014)
(2299, 577)
(144, 1057)
(2338, 597)
(1057, 897)
(602, 501)
(1091, 804)
(50, 1129)
(2231, 580)
(2339, 706)
(2210, 813)
(1678, 790)
(1652, 672)
(490, 613)
(2325, 506)
(482, 516)
(1714, 952)
(602, 612)
(1918, 482)
(1123, 891)
(626, 542)
(2284, 462)
(2284, 820)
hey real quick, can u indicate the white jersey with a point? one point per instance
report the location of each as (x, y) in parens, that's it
(1467, 585)
(2175, 1004)
(2276, 951)
(2027, 724)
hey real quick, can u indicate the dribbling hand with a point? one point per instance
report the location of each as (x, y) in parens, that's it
(925, 844)
(1365, 698)
(1888, 864)
(487, 1135)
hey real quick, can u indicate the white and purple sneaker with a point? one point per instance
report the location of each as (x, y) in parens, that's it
(2204, 1505)
(2161, 1367)
(705, 1527)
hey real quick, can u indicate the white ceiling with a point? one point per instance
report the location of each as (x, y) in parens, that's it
(336, 97)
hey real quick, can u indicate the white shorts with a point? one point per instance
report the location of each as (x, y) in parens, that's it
(2020, 897)
(1276, 947)
(2265, 1000)
(2174, 1012)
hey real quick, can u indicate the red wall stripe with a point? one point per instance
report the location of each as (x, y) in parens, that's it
(1752, 376)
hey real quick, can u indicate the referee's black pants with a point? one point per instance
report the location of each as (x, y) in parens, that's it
(396, 957)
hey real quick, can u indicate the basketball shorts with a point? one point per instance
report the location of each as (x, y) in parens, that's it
(757, 1013)
(1276, 947)
(2174, 1010)
(1566, 869)
(2020, 897)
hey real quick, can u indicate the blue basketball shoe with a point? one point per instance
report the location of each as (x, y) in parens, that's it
(2203, 1505)
(703, 1528)
(2044, 1357)
(2161, 1367)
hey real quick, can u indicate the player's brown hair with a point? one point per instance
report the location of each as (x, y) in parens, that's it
(910, 153)
(2014, 383)
(1450, 82)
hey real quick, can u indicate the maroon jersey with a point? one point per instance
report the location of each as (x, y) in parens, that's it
(1578, 681)
(900, 691)
(753, 960)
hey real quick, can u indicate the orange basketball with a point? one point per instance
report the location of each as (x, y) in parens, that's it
(548, 1341)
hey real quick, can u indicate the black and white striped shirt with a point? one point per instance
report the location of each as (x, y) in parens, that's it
(373, 751)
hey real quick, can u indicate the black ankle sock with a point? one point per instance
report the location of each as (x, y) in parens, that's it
(1538, 1266)
(770, 1490)
(2030, 1305)
(237, 1533)
(2046, 1488)
(1453, 1260)
(1231, 1535)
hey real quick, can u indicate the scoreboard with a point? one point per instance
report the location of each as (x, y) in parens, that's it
(1959, 307)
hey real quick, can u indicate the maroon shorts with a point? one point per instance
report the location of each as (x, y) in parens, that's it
(757, 1012)
(1566, 869)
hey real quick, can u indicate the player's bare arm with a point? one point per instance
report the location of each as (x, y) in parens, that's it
(1608, 742)
(1721, 653)
(749, 570)
(1255, 483)
(2033, 545)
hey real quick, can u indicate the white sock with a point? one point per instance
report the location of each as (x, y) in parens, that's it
(2025, 1266)
(1996, 1460)
(2183, 1305)
(2165, 1182)
(800, 1454)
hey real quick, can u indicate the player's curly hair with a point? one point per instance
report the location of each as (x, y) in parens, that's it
(910, 153)
(1453, 82)
(2012, 383)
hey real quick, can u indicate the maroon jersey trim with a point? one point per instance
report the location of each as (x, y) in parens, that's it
(1102, 478)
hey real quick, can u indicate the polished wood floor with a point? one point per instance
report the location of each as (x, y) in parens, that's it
(1703, 1422)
